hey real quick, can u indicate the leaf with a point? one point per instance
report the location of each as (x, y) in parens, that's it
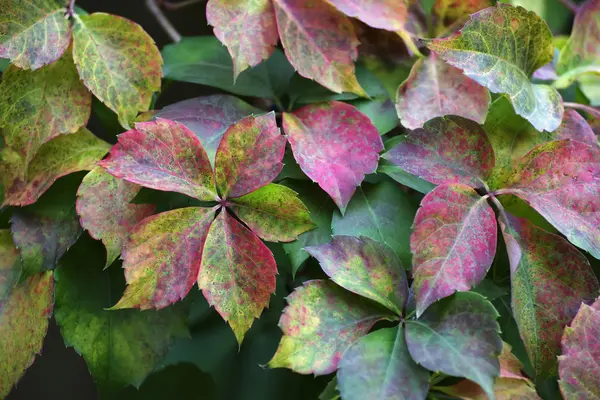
(575, 127)
(435, 89)
(162, 257)
(118, 61)
(550, 278)
(578, 364)
(403, 177)
(103, 203)
(561, 180)
(335, 145)
(383, 212)
(447, 13)
(33, 34)
(331, 391)
(504, 389)
(320, 43)
(458, 336)
(379, 366)
(381, 112)
(10, 264)
(37, 106)
(163, 155)
(446, 150)
(319, 323)
(119, 347)
(248, 29)
(383, 14)
(208, 117)
(249, 156)
(453, 243)
(500, 48)
(24, 316)
(61, 156)
(365, 267)
(274, 212)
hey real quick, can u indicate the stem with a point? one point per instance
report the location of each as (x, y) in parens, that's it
(163, 21)
(570, 5)
(71, 8)
(590, 110)
(167, 5)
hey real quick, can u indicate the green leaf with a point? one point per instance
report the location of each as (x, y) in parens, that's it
(319, 323)
(10, 264)
(554, 12)
(500, 48)
(383, 212)
(118, 61)
(403, 177)
(24, 316)
(379, 366)
(274, 212)
(204, 60)
(381, 112)
(103, 205)
(458, 336)
(331, 391)
(34, 33)
(120, 347)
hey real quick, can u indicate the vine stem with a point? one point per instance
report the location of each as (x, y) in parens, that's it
(71, 8)
(570, 5)
(590, 110)
(163, 20)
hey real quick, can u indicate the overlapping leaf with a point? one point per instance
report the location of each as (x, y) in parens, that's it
(447, 13)
(575, 127)
(10, 264)
(24, 316)
(500, 48)
(453, 243)
(105, 211)
(335, 145)
(383, 14)
(435, 89)
(578, 365)
(550, 278)
(33, 33)
(118, 61)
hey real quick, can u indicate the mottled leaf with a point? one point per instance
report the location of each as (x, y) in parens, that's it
(504, 389)
(435, 89)
(383, 14)
(379, 366)
(578, 365)
(247, 28)
(118, 61)
(163, 155)
(383, 212)
(320, 43)
(208, 117)
(561, 181)
(453, 243)
(320, 322)
(36, 106)
(61, 156)
(103, 204)
(550, 278)
(274, 212)
(500, 48)
(33, 33)
(249, 156)
(162, 257)
(447, 13)
(458, 336)
(335, 145)
(10, 264)
(238, 271)
(24, 316)
(575, 127)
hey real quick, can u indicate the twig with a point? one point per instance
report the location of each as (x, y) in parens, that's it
(570, 5)
(590, 110)
(71, 8)
(167, 5)
(163, 21)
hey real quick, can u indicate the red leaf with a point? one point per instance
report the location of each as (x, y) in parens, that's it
(453, 243)
(575, 127)
(383, 14)
(163, 155)
(335, 145)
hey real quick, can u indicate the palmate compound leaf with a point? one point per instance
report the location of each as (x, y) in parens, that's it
(453, 243)
(33, 33)
(447, 149)
(578, 365)
(383, 14)
(435, 89)
(118, 61)
(500, 48)
(379, 366)
(320, 322)
(561, 181)
(103, 204)
(550, 278)
(10, 264)
(24, 316)
(365, 267)
(335, 145)
(458, 336)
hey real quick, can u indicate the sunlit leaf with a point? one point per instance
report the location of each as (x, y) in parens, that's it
(453, 243)
(382, 14)
(10, 264)
(335, 145)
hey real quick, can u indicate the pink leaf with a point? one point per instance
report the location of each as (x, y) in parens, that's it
(383, 14)
(575, 127)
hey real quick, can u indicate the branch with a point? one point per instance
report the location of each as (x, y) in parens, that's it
(71, 9)
(570, 5)
(590, 110)
(163, 21)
